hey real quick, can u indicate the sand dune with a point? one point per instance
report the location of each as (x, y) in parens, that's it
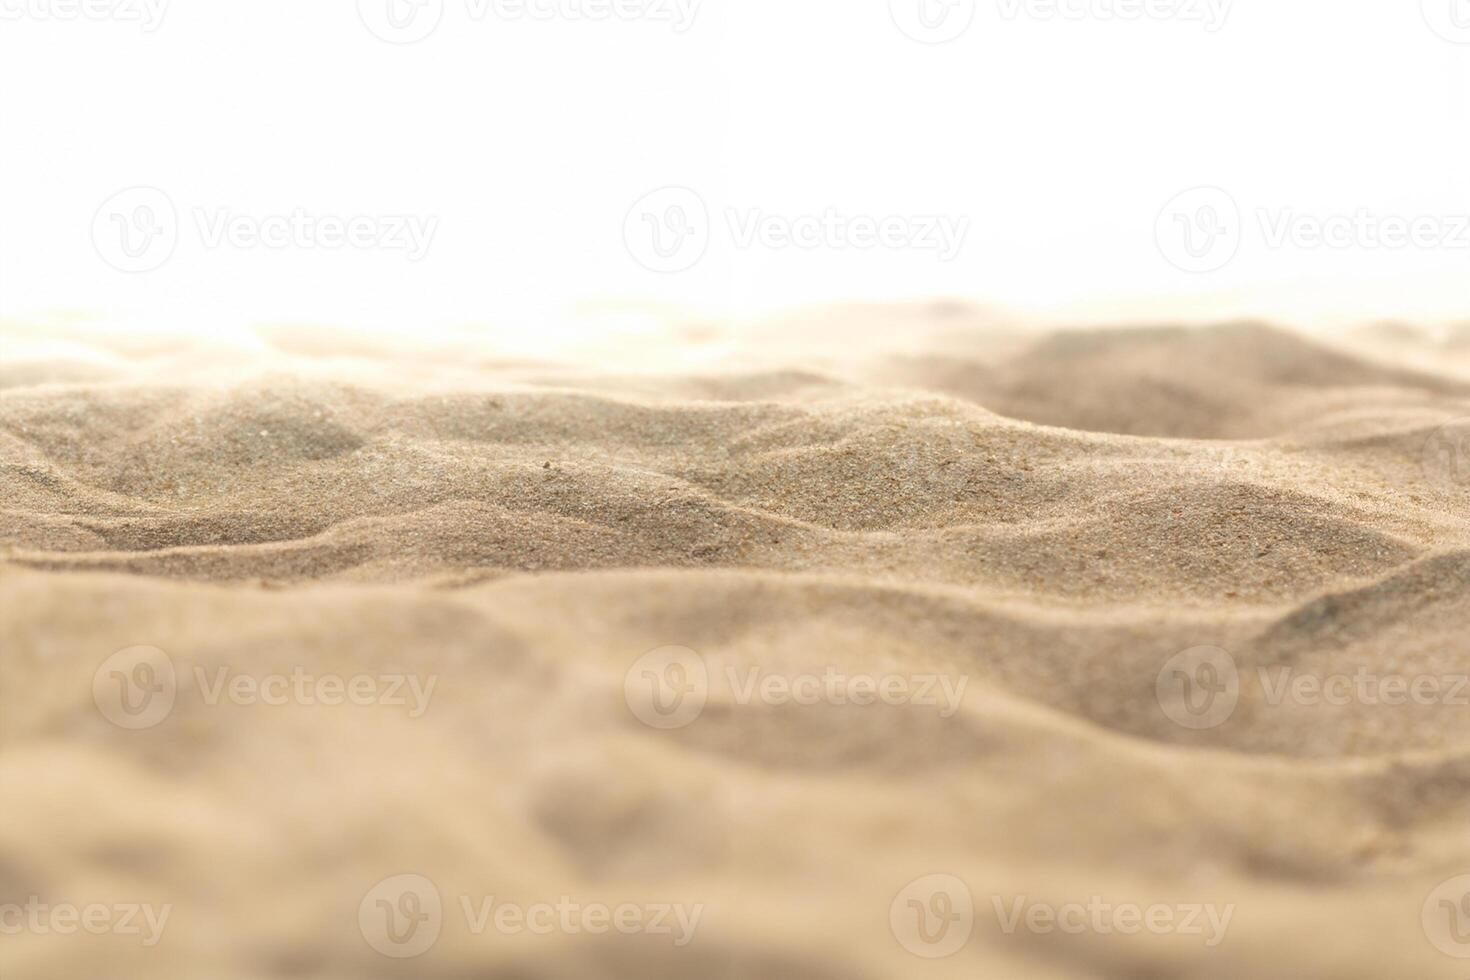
(1056, 526)
(1238, 381)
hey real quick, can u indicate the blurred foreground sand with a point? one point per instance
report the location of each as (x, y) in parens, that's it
(1047, 527)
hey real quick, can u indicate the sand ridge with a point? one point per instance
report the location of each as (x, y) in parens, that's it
(1053, 520)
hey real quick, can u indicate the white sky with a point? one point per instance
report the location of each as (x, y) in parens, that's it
(1059, 140)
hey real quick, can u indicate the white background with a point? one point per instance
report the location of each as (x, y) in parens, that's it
(530, 139)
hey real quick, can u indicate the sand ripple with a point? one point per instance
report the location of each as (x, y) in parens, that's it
(1053, 523)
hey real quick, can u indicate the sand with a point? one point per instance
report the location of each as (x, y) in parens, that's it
(608, 629)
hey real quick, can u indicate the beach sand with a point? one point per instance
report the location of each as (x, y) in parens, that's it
(334, 646)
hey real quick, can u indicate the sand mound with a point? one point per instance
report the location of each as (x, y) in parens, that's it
(1238, 381)
(1109, 617)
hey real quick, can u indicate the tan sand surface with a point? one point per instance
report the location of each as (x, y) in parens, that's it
(1087, 560)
